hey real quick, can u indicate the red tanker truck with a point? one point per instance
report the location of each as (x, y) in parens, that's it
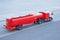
(37, 18)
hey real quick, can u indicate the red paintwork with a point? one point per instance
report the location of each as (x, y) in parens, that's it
(11, 23)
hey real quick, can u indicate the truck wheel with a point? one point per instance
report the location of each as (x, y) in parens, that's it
(34, 22)
(39, 21)
(50, 19)
(19, 27)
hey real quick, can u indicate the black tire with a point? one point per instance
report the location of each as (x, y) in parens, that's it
(50, 19)
(35, 22)
(40, 21)
(19, 27)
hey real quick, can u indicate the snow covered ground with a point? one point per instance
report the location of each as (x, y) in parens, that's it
(12, 8)
(45, 31)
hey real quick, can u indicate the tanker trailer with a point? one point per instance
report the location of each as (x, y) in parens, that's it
(16, 23)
